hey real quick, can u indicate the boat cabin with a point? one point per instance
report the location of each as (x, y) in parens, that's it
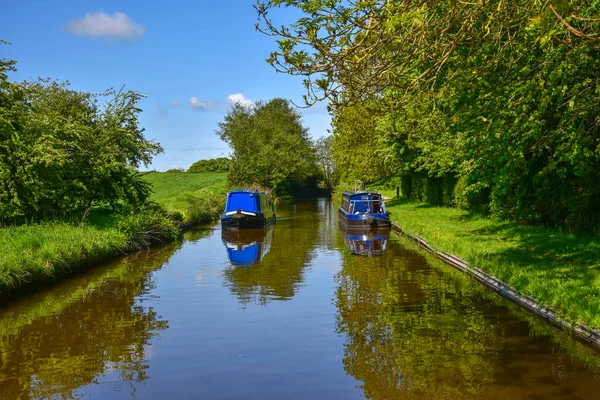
(364, 209)
(248, 209)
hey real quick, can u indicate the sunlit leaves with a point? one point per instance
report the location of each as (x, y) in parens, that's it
(64, 151)
(270, 145)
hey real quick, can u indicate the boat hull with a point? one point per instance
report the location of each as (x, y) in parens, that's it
(241, 221)
(364, 220)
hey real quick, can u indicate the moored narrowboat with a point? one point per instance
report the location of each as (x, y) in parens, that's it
(364, 209)
(247, 209)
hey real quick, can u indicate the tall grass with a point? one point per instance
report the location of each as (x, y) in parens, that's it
(559, 269)
(38, 253)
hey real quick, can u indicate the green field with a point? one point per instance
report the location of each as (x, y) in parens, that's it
(559, 269)
(196, 197)
(169, 185)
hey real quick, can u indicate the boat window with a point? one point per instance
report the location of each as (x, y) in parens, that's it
(361, 206)
(377, 207)
(241, 201)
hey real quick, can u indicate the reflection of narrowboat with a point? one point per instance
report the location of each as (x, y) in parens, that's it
(364, 209)
(366, 241)
(245, 209)
(247, 246)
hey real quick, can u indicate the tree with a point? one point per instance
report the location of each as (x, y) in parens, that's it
(355, 142)
(270, 146)
(220, 164)
(501, 97)
(326, 160)
(349, 50)
(63, 151)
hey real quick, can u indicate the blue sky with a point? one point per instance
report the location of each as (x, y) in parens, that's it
(187, 57)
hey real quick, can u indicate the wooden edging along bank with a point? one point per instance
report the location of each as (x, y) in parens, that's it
(582, 332)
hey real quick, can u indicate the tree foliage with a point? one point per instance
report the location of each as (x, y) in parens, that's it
(501, 98)
(220, 164)
(327, 163)
(63, 151)
(355, 142)
(270, 146)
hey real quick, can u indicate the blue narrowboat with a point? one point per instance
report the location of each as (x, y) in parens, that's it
(246, 209)
(364, 209)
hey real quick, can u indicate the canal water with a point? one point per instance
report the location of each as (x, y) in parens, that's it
(298, 311)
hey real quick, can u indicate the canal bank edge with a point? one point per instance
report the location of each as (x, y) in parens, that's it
(70, 267)
(583, 333)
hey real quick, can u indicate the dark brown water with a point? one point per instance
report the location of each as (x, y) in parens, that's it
(299, 311)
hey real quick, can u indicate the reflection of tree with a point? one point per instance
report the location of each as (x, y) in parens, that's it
(69, 336)
(281, 271)
(197, 233)
(415, 332)
(410, 332)
(329, 221)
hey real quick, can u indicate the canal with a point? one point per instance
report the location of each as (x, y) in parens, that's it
(298, 311)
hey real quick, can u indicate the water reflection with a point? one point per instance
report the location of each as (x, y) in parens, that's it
(365, 242)
(247, 246)
(416, 332)
(53, 343)
(280, 272)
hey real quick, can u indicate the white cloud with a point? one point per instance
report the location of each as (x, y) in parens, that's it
(175, 104)
(239, 98)
(201, 105)
(99, 24)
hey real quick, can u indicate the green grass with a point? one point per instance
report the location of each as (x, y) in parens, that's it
(37, 253)
(197, 197)
(559, 269)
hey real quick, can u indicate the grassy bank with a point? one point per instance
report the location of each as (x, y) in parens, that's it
(38, 253)
(193, 198)
(559, 269)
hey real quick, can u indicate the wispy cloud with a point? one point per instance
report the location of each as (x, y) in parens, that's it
(99, 24)
(239, 98)
(164, 110)
(201, 105)
(220, 104)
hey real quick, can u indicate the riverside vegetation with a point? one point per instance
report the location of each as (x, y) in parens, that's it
(485, 114)
(39, 252)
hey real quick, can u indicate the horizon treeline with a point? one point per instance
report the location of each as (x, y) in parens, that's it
(219, 164)
(486, 106)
